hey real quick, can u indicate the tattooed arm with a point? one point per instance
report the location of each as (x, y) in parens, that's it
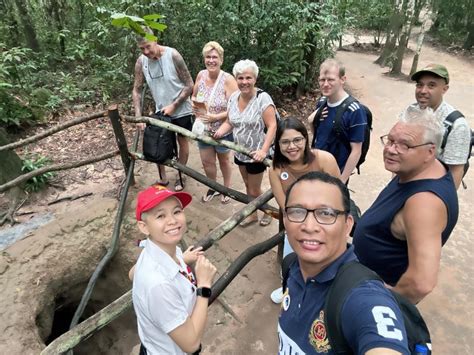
(185, 77)
(137, 90)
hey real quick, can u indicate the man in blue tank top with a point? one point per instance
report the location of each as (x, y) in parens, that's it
(318, 223)
(400, 236)
(171, 85)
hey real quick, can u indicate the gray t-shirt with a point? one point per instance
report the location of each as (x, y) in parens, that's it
(457, 146)
(248, 125)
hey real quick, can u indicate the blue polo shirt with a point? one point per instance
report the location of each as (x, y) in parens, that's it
(370, 316)
(354, 120)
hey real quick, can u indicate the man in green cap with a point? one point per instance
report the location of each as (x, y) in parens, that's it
(432, 82)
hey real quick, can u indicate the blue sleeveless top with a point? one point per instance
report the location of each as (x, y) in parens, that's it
(376, 247)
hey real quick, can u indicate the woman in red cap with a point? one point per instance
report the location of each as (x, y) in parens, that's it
(170, 302)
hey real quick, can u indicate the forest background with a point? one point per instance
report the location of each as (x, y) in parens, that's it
(55, 54)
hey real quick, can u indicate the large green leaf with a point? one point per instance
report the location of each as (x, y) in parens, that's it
(152, 17)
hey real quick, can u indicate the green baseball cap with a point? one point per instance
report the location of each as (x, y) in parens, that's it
(436, 69)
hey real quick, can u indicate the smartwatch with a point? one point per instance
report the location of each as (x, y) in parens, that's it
(204, 292)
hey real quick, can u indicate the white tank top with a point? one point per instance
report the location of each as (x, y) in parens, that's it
(164, 83)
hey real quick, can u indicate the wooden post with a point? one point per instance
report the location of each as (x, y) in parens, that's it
(120, 138)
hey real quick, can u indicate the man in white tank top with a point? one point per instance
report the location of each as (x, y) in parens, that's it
(171, 85)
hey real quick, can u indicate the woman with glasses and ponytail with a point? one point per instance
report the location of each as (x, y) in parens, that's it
(293, 158)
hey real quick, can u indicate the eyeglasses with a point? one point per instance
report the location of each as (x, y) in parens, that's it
(330, 81)
(155, 71)
(298, 141)
(324, 215)
(401, 148)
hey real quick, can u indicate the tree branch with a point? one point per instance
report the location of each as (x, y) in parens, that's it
(55, 167)
(53, 130)
(194, 136)
(234, 194)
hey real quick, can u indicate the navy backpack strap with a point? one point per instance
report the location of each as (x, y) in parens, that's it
(448, 123)
(348, 276)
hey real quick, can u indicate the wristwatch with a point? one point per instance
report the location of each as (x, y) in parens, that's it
(204, 292)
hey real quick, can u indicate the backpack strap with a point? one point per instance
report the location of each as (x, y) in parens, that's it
(348, 276)
(448, 123)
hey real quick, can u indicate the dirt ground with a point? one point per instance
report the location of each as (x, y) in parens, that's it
(47, 270)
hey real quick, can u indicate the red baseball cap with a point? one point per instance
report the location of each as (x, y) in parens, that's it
(154, 195)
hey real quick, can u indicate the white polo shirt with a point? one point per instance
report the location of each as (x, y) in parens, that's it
(163, 298)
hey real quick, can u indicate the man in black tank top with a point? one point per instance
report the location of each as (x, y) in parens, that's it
(400, 236)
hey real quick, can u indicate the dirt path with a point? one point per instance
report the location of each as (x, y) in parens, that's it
(448, 310)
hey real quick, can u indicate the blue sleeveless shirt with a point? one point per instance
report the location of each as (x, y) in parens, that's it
(376, 247)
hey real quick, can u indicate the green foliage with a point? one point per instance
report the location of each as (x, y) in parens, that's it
(135, 23)
(83, 58)
(33, 163)
(371, 15)
(452, 20)
(12, 111)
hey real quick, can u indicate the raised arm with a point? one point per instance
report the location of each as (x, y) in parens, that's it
(188, 335)
(423, 227)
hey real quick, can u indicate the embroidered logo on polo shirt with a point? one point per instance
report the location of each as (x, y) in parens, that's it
(318, 336)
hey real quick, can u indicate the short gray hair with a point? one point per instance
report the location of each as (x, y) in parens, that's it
(141, 39)
(244, 65)
(432, 127)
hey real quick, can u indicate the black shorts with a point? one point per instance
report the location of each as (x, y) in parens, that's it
(185, 122)
(252, 168)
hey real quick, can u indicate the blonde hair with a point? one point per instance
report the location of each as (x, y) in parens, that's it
(209, 46)
(333, 63)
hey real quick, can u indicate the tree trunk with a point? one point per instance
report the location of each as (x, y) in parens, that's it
(392, 35)
(419, 43)
(407, 11)
(28, 29)
(10, 168)
(55, 11)
(10, 162)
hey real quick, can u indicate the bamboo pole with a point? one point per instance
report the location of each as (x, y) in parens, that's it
(56, 167)
(52, 130)
(201, 137)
